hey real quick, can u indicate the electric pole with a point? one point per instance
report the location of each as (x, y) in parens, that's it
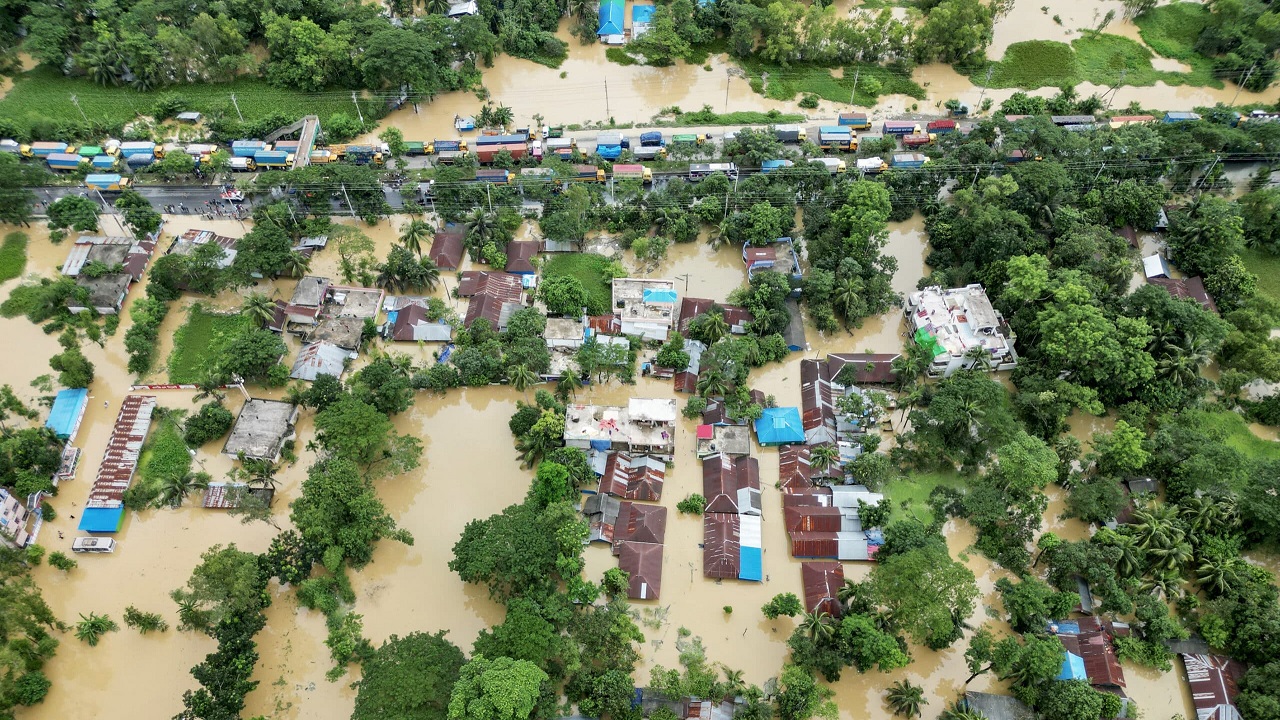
(983, 94)
(1239, 87)
(350, 207)
(607, 111)
(75, 101)
(728, 74)
(854, 93)
(356, 100)
(237, 107)
(1116, 88)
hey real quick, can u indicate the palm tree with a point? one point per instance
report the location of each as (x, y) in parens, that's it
(436, 7)
(733, 684)
(1167, 586)
(1129, 564)
(848, 297)
(979, 358)
(712, 327)
(296, 264)
(176, 488)
(259, 308)
(210, 386)
(905, 699)
(848, 593)
(260, 473)
(91, 629)
(481, 227)
(1157, 526)
(1218, 574)
(577, 7)
(907, 369)
(428, 274)
(533, 447)
(503, 115)
(958, 710)
(296, 395)
(521, 377)
(1171, 559)
(818, 625)
(102, 65)
(413, 234)
(569, 385)
(712, 384)
(1206, 515)
(822, 457)
(1180, 362)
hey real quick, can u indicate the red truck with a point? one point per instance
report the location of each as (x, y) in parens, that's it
(916, 140)
(486, 154)
(941, 126)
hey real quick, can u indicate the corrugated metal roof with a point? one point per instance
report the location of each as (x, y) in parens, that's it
(641, 523)
(731, 485)
(643, 561)
(794, 470)
(822, 583)
(447, 249)
(115, 473)
(721, 545)
(1214, 685)
(637, 477)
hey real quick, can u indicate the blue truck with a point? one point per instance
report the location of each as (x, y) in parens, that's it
(247, 148)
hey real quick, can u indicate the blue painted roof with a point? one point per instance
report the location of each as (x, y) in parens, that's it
(1072, 668)
(68, 405)
(642, 13)
(777, 426)
(611, 14)
(657, 295)
(751, 566)
(103, 520)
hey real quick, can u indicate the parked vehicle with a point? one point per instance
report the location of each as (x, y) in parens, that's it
(938, 127)
(688, 139)
(141, 160)
(486, 154)
(909, 160)
(915, 140)
(502, 139)
(322, 157)
(837, 139)
(588, 173)
(363, 155)
(871, 165)
(106, 182)
(857, 121)
(45, 149)
(835, 166)
(633, 172)
(1173, 117)
(1067, 120)
(273, 159)
(246, 148)
(790, 133)
(771, 165)
(89, 151)
(103, 162)
(700, 171)
(900, 127)
(414, 148)
(93, 545)
(241, 164)
(649, 152)
(493, 176)
(64, 161)
(140, 147)
(561, 146)
(610, 145)
(436, 147)
(652, 139)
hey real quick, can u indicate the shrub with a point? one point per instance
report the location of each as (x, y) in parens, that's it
(211, 422)
(692, 505)
(35, 554)
(144, 622)
(810, 101)
(31, 688)
(693, 409)
(60, 560)
(782, 604)
(91, 629)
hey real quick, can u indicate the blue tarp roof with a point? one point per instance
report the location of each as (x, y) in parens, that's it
(642, 13)
(1072, 668)
(656, 295)
(103, 520)
(611, 17)
(751, 566)
(68, 405)
(778, 426)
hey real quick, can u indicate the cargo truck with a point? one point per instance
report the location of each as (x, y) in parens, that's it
(837, 139)
(700, 171)
(563, 147)
(273, 159)
(649, 152)
(856, 121)
(609, 145)
(322, 157)
(871, 165)
(363, 155)
(588, 173)
(633, 172)
(938, 127)
(909, 160)
(106, 182)
(415, 147)
(140, 147)
(834, 166)
(242, 164)
(10, 146)
(493, 176)
(1173, 117)
(555, 131)
(64, 161)
(652, 139)
(790, 133)
(45, 149)
(287, 145)
(535, 150)
(900, 127)
(198, 150)
(89, 151)
(139, 160)
(103, 162)
(439, 146)
(915, 140)
(246, 148)
(688, 139)
(486, 154)
(771, 165)
(501, 139)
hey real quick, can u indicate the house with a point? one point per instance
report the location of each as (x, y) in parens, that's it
(106, 293)
(645, 307)
(793, 333)
(1132, 487)
(279, 317)
(717, 412)
(15, 519)
(737, 318)
(222, 495)
(795, 472)
(686, 380)
(1090, 655)
(638, 522)
(729, 440)
(1214, 682)
(998, 707)
(602, 516)
(567, 333)
(1187, 289)
(731, 546)
(307, 300)
(104, 510)
(261, 430)
(643, 426)
(956, 325)
(192, 239)
(633, 477)
(824, 522)
(864, 368)
(779, 426)
(352, 302)
(641, 19)
(319, 358)
(780, 257)
(447, 249)
(822, 583)
(132, 255)
(67, 412)
(412, 323)
(494, 296)
(462, 9)
(345, 332)
(731, 485)
(520, 255)
(491, 308)
(1155, 266)
(643, 563)
(818, 414)
(611, 18)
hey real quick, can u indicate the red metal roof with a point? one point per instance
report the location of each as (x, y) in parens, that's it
(818, 412)
(605, 324)
(722, 479)
(812, 497)
(447, 249)
(643, 561)
(815, 545)
(812, 519)
(822, 583)
(870, 368)
(486, 282)
(753, 255)
(520, 254)
(115, 473)
(1100, 663)
(794, 471)
(721, 545)
(1214, 685)
(640, 523)
(1187, 289)
(690, 308)
(633, 477)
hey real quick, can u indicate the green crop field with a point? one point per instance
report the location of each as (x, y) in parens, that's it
(199, 342)
(13, 256)
(1098, 58)
(590, 270)
(786, 82)
(1172, 30)
(1267, 267)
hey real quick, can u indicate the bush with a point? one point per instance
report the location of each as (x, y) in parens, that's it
(144, 622)
(35, 554)
(782, 604)
(31, 688)
(692, 505)
(810, 101)
(341, 127)
(13, 256)
(210, 423)
(60, 560)
(693, 409)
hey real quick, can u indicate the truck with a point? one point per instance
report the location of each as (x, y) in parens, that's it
(900, 127)
(45, 149)
(103, 162)
(486, 154)
(502, 139)
(438, 146)
(535, 150)
(652, 139)
(363, 154)
(838, 139)
(64, 161)
(561, 146)
(1017, 156)
(246, 148)
(790, 133)
(700, 171)
(89, 151)
(242, 164)
(139, 160)
(415, 147)
(915, 140)
(555, 131)
(273, 159)
(909, 160)
(871, 165)
(771, 165)
(633, 172)
(938, 127)
(322, 157)
(834, 166)
(610, 145)
(287, 145)
(688, 139)
(106, 182)
(588, 173)
(140, 147)
(856, 121)
(1069, 120)
(649, 152)
(1173, 117)
(493, 176)
(9, 145)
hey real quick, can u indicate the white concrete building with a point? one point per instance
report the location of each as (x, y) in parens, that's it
(958, 326)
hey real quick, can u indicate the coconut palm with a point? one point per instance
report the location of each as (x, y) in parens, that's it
(958, 710)
(1167, 586)
(712, 384)
(822, 457)
(260, 473)
(210, 386)
(436, 7)
(176, 488)
(296, 264)
(1217, 575)
(482, 226)
(413, 234)
(1156, 525)
(533, 447)
(296, 395)
(1180, 361)
(569, 385)
(710, 328)
(818, 625)
(521, 377)
(847, 299)
(908, 368)
(1205, 515)
(102, 65)
(979, 358)
(259, 308)
(905, 699)
(1170, 559)
(1130, 562)
(734, 684)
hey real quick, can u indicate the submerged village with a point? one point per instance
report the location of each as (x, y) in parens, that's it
(931, 369)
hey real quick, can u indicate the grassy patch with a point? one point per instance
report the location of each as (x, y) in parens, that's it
(199, 342)
(1172, 30)
(1031, 64)
(1267, 267)
(13, 256)
(910, 495)
(43, 93)
(591, 270)
(1237, 435)
(742, 117)
(1102, 58)
(164, 457)
(620, 56)
(786, 83)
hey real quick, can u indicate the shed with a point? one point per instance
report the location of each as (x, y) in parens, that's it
(1187, 289)
(319, 358)
(106, 293)
(794, 332)
(190, 116)
(1214, 682)
(780, 426)
(611, 17)
(795, 473)
(641, 18)
(643, 562)
(486, 282)
(1155, 266)
(602, 517)
(261, 429)
(750, 549)
(447, 249)
(822, 583)
(1072, 668)
(67, 412)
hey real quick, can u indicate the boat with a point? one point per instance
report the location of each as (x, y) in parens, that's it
(462, 124)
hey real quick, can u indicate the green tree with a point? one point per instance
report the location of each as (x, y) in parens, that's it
(355, 431)
(499, 689)
(563, 295)
(408, 678)
(412, 235)
(954, 30)
(339, 509)
(258, 307)
(1120, 451)
(91, 629)
(141, 218)
(662, 44)
(925, 593)
(526, 550)
(74, 212)
(905, 699)
(1031, 603)
(800, 697)
(782, 604)
(226, 582)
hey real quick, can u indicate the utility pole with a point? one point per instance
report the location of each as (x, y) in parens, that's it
(237, 107)
(488, 196)
(75, 101)
(855, 85)
(983, 94)
(607, 111)
(728, 75)
(1116, 88)
(350, 207)
(1208, 173)
(1239, 87)
(356, 100)
(1098, 175)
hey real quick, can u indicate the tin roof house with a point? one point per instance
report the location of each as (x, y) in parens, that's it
(731, 485)
(307, 300)
(633, 477)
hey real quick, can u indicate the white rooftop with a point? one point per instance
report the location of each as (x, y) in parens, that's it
(958, 319)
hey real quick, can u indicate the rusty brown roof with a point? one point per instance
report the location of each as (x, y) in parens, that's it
(818, 411)
(120, 459)
(1214, 685)
(1100, 663)
(822, 583)
(721, 545)
(489, 282)
(643, 561)
(691, 308)
(880, 372)
(731, 485)
(1187, 289)
(640, 523)
(794, 470)
(447, 249)
(812, 519)
(633, 477)
(520, 255)
(815, 544)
